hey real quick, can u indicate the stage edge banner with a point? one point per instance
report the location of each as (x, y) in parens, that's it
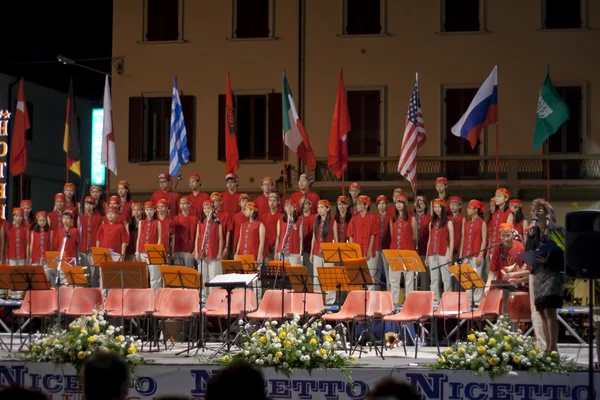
(191, 381)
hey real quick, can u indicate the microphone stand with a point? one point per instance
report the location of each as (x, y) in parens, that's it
(58, 271)
(80, 213)
(282, 268)
(168, 250)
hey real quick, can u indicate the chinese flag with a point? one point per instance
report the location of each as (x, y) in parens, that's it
(18, 147)
(338, 136)
(231, 148)
(71, 140)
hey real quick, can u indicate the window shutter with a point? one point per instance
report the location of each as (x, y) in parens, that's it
(136, 110)
(275, 129)
(221, 127)
(188, 107)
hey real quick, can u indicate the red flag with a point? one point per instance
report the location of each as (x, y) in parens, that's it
(231, 149)
(338, 136)
(18, 147)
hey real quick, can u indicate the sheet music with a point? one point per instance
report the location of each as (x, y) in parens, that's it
(234, 278)
(116, 257)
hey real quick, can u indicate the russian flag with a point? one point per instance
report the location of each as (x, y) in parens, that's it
(482, 111)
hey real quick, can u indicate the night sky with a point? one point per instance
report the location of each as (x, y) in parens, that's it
(36, 32)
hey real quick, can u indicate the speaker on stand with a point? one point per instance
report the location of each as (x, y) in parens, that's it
(581, 238)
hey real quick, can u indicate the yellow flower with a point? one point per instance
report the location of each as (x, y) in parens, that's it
(33, 348)
(313, 341)
(554, 354)
(323, 352)
(81, 355)
(492, 341)
(506, 338)
(278, 354)
(55, 341)
(481, 349)
(471, 337)
(282, 335)
(441, 360)
(533, 353)
(96, 329)
(91, 339)
(132, 350)
(254, 334)
(494, 361)
(83, 332)
(352, 358)
(286, 342)
(309, 331)
(508, 347)
(448, 351)
(120, 338)
(516, 359)
(71, 326)
(461, 351)
(263, 340)
(329, 338)
(225, 358)
(480, 340)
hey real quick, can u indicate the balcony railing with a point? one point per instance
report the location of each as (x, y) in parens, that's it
(514, 169)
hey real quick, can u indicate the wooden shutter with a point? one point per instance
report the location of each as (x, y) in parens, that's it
(221, 128)
(275, 129)
(162, 20)
(188, 107)
(136, 129)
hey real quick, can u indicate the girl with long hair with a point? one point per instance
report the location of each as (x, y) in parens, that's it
(520, 222)
(209, 244)
(252, 235)
(439, 249)
(289, 241)
(342, 219)
(137, 215)
(403, 232)
(125, 202)
(322, 233)
(149, 232)
(473, 241)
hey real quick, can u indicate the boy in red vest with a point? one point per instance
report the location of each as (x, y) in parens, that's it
(89, 222)
(113, 235)
(18, 236)
(185, 225)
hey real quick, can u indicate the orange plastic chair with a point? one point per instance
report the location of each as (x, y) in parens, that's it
(114, 301)
(238, 307)
(489, 308)
(137, 303)
(448, 308)
(217, 298)
(418, 309)
(182, 304)
(314, 304)
(66, 292)
(43, 304)
(83, 301)
(270, 306)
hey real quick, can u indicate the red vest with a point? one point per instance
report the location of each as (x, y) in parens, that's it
(208, 242)
(289, 234)
(473, 238)
(439, 240)
(402, 235)
(319, 235)
(499, 217)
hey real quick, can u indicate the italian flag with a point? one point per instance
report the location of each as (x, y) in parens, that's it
(294, 134)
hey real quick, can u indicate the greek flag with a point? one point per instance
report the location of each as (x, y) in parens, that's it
(178, 151)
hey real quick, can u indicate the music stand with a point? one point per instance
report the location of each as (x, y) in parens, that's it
(122, 275)
(156, 254)
(99, 256)
(232, 267)
(5, 285)
(404, 261)
(277, 268)
(300, 281)
(468, 279)
(27, 278)
(337, 253)
(359, 274)
(75, 276)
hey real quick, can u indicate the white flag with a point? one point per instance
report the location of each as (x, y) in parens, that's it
(109, 148)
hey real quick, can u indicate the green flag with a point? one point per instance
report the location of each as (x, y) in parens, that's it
(552, 111)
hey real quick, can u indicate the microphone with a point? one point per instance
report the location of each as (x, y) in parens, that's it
(214, 217)
(68, 234)
(179, 177)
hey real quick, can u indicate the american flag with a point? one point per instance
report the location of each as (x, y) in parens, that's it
(414, 138)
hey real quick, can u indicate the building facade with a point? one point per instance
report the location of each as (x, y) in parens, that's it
(46, 159)
(380, 45)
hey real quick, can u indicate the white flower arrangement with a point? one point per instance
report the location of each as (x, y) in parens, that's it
(84, 336)
(499, 351)
(292, 346)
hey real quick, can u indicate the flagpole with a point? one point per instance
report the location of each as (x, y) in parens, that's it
(497, 162)
(284, 170)
(548, 170)
(107, 171)
(67, 167)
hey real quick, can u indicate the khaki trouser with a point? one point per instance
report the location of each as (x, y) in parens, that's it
(439, 274)
(330, 295)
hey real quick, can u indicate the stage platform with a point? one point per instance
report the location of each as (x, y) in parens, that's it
(187, 376)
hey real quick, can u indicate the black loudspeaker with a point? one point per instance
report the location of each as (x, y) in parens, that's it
(582, 244)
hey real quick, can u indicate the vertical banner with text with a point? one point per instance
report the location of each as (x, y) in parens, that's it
(4, 122)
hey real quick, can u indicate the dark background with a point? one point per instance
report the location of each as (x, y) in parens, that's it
(33, 33)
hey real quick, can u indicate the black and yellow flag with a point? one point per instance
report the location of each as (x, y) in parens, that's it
(71, 139)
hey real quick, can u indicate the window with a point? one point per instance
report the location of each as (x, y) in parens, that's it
(258, 122)
(457, 102)
(562, 14)
(363, 17)
(364, 140)
(150, 127)
(461, 15)
(163, 20)
(29, 132)
(252, 19)
(569, 137)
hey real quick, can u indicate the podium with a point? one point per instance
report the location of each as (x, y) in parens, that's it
(27, 278)
(404, 261)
